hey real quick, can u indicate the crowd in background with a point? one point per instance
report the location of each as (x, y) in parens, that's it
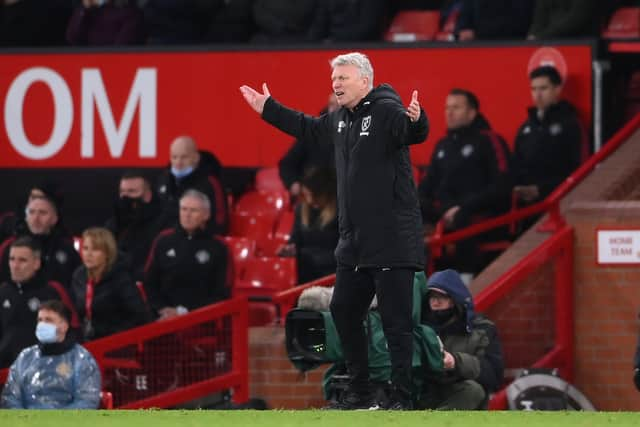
(169, 22)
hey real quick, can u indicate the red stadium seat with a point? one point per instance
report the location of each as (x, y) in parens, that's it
(265, 276)
(262, 201)
(624, 24)
(242, 249)
(269, 179)
(413, 25)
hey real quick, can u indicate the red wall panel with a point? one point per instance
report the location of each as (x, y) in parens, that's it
(197, 94)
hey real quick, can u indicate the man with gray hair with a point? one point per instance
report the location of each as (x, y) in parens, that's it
(380, 245)
(187, 266)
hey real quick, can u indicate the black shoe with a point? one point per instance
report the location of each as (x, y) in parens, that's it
(352, 400)
(399, 401)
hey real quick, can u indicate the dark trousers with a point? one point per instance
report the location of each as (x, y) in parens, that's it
(352, 296)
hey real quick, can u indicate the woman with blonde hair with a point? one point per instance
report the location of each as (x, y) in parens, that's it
(105, 294)
(315, 231)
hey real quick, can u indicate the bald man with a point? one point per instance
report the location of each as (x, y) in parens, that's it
(191, 168)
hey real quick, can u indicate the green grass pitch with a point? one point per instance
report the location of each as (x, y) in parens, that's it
(313, 418)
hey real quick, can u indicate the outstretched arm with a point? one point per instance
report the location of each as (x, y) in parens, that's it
(413, 131)
(254, 98)
(292, 122)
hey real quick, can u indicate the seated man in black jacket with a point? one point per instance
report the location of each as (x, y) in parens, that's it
(187, 266)
(468, 176)
(137, 221)
(550, 144)
(473, 355)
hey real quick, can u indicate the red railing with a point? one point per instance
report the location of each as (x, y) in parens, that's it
(558, 249)
(170, 362)
(166, 363)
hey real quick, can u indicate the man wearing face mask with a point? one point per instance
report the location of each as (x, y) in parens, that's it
(473, 360)
(59, 257)
(56, 373)
(137, 221)
(197, 170)
(20, 298)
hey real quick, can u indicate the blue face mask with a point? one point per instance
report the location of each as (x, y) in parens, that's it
(181, 173)
(46, 332)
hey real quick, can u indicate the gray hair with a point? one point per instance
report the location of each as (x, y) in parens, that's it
(195, 194)
(357, 59)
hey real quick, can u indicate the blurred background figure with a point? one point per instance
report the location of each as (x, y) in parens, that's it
(315, 230)
(106, 22)
(303, 155)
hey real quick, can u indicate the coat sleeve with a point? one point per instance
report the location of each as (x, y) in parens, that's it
(132, 301)
(86, 394)
(431, 212)
(221, 287)
(297, 124)
(403, 131)
(12, 392)
(568, 158)
(498, 179)
(486, 366)
(152, 277)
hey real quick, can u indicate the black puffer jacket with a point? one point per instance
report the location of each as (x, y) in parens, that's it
(117, 304)
(379, 216)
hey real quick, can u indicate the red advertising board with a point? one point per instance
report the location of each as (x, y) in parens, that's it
(123, 109)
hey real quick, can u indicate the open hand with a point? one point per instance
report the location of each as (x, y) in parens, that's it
(254, 98)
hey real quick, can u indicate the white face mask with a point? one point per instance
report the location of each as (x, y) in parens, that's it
(46, 332)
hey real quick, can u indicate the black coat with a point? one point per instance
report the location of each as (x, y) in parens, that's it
(136, 233)
(19, 305)
(117, 304)
(59, 257)
(548, 151)
(192, 271)
(469, 168)
(206, 179)
(378, 211)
